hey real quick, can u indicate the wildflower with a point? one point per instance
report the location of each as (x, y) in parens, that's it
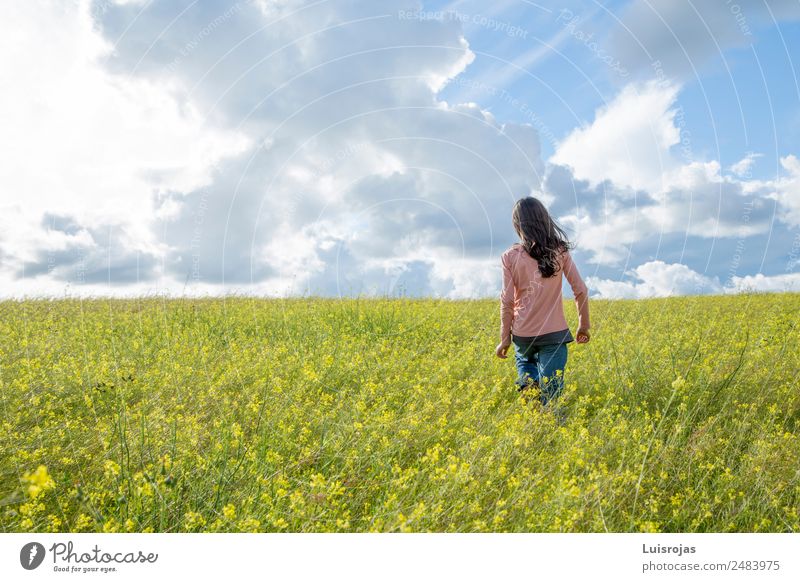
(38, 482)
(229, 511)
(193, 521)
(83, 523)
(111, 469)
(280, 523)
(248, 525)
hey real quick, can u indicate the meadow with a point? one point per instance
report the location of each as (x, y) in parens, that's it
(386, 415)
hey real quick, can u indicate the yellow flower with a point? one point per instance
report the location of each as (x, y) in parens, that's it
(229, 511)
(38, 482)
(83, 523)
(111, 469)
(193, 521)
(248, 525)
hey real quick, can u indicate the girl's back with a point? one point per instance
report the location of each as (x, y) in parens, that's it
(534, 302)
(531, 307)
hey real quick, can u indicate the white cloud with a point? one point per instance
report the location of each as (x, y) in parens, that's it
(464, 278)
(77, 140)
(759, 282)
(681, 36)
(660, 279)
(629, 141)
(139, 165)
(629, 181)
(131, 160)
(742, 167)
(655, 279)
(700, 202)
(786, 190)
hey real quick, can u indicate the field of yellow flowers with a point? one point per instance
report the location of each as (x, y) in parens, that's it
(241, 414)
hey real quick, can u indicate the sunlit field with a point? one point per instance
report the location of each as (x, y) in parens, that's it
(682, 414)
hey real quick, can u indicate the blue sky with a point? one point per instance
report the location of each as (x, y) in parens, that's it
(338, 147)
(729, 105)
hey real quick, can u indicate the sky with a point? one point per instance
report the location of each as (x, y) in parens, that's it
(343, 148)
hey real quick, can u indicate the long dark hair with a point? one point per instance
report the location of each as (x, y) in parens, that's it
(542, 237)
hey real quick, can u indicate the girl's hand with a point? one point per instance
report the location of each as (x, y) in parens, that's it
(502, 349)
(583, 335)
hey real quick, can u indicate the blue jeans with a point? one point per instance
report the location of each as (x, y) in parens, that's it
(543, 365)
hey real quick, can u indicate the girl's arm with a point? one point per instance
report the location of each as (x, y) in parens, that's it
(581, 296)
(506, 308)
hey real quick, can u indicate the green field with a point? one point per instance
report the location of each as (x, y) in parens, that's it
(683, 414)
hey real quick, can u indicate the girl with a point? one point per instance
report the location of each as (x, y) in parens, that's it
(531, 307)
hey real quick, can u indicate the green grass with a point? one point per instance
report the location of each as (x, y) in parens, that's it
(683, 414)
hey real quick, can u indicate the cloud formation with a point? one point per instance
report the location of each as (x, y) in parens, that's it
(292, 147)
(679, 37)
(660, 279)
(630, 176)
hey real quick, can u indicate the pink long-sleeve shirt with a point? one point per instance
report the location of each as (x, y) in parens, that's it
(532, 305)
